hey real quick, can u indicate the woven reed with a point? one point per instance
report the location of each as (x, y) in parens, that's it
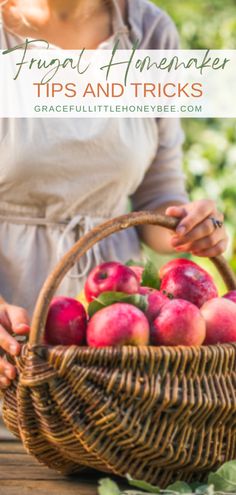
(158, 413)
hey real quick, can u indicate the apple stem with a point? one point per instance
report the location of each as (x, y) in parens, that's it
(168, 294)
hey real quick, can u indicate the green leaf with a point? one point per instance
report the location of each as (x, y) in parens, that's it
(210, 490)
(195, 485)
(224, 479)
(108, 298)
(179, 487)
(200, 488)
(134, 263)
(143, 485)
(134, 492)
(205, 490)
(108, 487)
(150, 276)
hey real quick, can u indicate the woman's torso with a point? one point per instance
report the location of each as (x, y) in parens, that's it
(52, 170)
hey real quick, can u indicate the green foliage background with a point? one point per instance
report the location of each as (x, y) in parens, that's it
(210, 147)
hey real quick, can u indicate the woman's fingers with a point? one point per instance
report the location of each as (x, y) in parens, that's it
(196, 232)
(7, 370)
(196, 213)
(12, 319)
(205, 229)
(19, 320)
(4, 318)
(209, 246)
(8, 343)
(176, 211)
(220, 248)
(208, 242)
(4, 382)
(7, 373)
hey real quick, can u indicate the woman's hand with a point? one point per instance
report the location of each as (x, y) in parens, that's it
(197, 233)
(12, 320)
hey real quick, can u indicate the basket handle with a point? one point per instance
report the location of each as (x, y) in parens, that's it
(87, 242)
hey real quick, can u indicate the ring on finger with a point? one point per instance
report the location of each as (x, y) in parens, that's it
(218, 224)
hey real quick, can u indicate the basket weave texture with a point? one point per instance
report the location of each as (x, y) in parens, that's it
(158, 413)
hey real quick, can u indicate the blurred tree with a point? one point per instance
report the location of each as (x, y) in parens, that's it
(205, 23)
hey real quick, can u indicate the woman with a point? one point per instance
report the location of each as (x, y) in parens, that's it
(58, 178)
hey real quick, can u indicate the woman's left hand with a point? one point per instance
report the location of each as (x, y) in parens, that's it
(196, 233)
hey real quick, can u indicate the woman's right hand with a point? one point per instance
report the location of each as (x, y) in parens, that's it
(12, 320)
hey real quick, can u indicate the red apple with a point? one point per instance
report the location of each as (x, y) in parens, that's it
(66, 322)
(191, 283)
(111, 276)
(231, 296)
(178, 323)
(156, 301)
(138, 270)
(177, 262)
(145, 291)
(117, 325)
(220, 317)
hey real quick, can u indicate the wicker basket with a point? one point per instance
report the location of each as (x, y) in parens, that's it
(158, 413)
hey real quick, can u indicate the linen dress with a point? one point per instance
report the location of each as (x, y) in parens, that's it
(61, 177)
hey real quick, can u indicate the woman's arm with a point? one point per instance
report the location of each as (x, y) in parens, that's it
(158, 238)
(196, 232)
